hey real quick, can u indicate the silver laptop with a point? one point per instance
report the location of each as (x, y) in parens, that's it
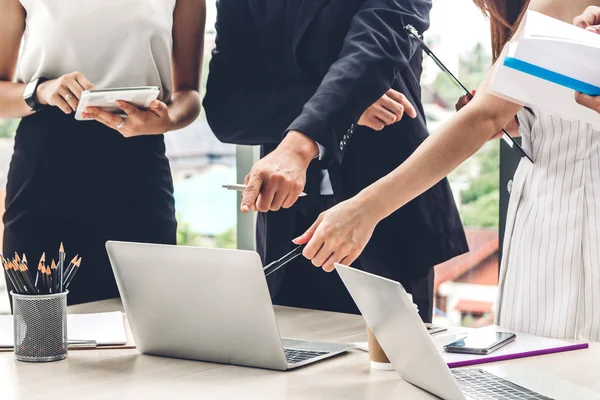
(205, 304)
(406, 342)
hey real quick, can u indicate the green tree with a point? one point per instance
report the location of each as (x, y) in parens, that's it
(227, 240)
(472, 68)
(481, 200)
(8, 127)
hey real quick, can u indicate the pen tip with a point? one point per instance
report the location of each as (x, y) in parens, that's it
(24, 258)
(53, 265)
(43, 257)
(62, 248)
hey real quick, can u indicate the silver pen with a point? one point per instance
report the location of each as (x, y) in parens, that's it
(241, 188)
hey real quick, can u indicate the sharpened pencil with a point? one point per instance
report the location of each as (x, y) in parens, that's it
(70, 267)
(10, 280)
(61, 268)
(38, 274)
(54, 275)
(73, 272)
(27, 278)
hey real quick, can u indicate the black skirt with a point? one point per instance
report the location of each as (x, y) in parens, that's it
(82, 183)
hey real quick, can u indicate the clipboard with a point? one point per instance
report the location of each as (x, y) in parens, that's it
(86, 344)
(414, 34)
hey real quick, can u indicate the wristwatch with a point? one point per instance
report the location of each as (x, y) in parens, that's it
(29, 94)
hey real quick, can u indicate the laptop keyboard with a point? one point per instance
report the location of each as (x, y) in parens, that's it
(297, 356)
(482, 385)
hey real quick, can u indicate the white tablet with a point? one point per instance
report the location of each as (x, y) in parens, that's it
(140, 97)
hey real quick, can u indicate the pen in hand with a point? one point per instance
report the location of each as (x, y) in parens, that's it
(276, 265)
(241, 188)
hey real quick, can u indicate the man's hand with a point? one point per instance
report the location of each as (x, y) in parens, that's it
(589, 20)
(278, 179)
(388, 110)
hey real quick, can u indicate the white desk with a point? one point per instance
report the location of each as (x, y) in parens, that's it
(125, 374)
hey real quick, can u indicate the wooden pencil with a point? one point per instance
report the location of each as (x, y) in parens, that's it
(38, 274)
(72, 275)
(10, 280)
(27, 278)
(19, 278)
(71, 265)
(61, 268)
(54, 275)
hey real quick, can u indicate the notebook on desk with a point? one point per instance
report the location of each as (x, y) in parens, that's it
(85, 331)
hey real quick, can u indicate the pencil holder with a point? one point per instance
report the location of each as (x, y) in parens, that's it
(40, 327)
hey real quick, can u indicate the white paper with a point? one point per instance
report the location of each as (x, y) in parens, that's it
(559, 47)
(537, 93)
(106, 329)
(556, 46)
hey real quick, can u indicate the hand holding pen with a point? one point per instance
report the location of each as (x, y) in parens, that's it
(276, 265)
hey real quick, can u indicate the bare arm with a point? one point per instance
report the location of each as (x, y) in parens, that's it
(12, 26)
(341, 233)
(441, 153)
(189, 19)
(188, 48)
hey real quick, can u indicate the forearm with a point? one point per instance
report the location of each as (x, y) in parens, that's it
(12, 104)
(439, 155)
(184, 108)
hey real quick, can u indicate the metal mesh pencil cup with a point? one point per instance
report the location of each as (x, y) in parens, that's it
(40, 327)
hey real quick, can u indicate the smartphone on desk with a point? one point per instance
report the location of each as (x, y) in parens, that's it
(481, 343)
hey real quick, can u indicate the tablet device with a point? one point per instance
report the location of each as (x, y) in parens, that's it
(106, 99)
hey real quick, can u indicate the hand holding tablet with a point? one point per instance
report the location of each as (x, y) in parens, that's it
(140, 97)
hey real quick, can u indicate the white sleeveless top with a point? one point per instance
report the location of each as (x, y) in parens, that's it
(114, 43)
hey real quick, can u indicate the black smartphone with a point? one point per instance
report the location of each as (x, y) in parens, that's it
(481, 343)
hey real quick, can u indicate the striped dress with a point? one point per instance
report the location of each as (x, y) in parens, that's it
(550, 272)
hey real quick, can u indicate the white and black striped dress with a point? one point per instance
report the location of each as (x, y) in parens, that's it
(550, 272)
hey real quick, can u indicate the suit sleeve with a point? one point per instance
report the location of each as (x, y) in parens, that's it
(375, 50)
(242, 104)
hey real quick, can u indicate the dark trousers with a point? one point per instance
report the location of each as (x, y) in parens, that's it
(83, 184)
(300, 284)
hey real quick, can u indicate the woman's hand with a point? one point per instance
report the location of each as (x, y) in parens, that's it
(388, 110)
(339, 235)
(64, 92)
(154, 121)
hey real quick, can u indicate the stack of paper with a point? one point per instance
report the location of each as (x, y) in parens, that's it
(546, 62)
(105, 329)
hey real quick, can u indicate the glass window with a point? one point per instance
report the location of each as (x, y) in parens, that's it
(466, 287)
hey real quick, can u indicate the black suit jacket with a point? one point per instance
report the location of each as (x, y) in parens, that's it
(315, 66)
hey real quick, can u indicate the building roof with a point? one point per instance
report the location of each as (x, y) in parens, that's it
(483, 243)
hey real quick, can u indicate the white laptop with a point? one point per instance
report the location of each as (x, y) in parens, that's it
(205, 304)
(412, 352)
